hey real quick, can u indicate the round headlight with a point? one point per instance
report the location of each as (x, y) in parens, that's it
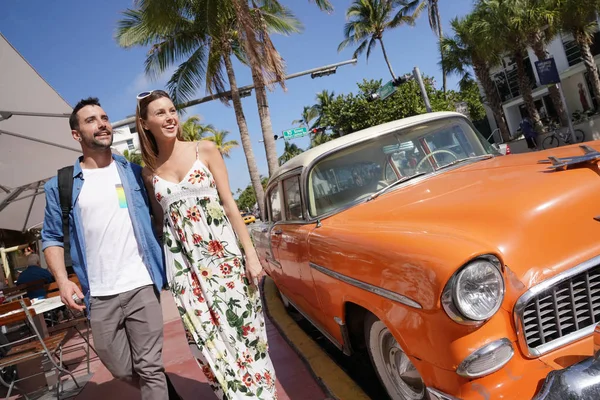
(478, 290)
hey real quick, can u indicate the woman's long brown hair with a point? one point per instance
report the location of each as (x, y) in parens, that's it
(147, 140)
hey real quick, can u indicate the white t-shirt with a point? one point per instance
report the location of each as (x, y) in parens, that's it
(114, 260)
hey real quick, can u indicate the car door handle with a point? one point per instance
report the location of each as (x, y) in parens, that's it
(277, 231)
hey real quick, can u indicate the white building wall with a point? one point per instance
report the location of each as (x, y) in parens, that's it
(120, 138)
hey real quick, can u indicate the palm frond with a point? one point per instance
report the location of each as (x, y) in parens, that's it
(188, 77)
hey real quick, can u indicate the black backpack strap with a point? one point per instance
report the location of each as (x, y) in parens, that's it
(65, 194)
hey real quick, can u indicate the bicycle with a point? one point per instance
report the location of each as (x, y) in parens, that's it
(553, 140)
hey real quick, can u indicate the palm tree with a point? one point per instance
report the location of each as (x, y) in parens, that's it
(435, 22)
(498, 20)
(538, 19)
(367, 22)
(290, 151)
(320, 138)
(219, 139)
(578, 17)
(181, 31)
(467, 48)
(309, 113)
(324, 99)
(193, 130)
(133, 157)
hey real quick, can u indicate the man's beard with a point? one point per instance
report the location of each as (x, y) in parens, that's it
(96, 144)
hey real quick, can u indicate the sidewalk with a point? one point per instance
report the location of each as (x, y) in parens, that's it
(294, 380)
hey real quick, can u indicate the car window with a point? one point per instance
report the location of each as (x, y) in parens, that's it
(352, 174)
(275, 204)
(292, 199)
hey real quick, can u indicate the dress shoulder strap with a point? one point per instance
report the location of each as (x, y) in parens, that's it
(197, 151)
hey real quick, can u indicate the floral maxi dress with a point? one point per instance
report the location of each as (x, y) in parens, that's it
(220, 309)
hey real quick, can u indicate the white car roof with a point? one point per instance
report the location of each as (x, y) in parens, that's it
(307, 157)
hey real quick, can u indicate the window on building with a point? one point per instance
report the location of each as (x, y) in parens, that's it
(507, 80)
(130, 145)
(572, 49)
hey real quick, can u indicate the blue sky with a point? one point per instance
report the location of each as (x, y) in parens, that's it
(71, 44)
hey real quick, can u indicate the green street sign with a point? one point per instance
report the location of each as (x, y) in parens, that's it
(295, 133)
(386, 90)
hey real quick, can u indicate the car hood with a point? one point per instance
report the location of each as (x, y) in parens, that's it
(539, 222)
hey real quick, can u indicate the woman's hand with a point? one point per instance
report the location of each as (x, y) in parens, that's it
(254, 270)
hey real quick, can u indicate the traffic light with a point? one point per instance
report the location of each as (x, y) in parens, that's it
(401, 79)
(276, 137)
(324, 72)
(320, 129)
(372, 97)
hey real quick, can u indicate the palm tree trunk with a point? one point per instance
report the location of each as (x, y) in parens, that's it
(525, 89)
(492, 98)
(245, 137)
(588, 60)
(440, 34)
(537, 43)
(253, 48)
(386, 58)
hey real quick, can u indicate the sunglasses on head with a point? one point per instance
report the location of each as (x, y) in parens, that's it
(143, 95)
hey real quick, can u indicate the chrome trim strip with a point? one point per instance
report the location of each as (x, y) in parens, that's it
(345, 336)
(537, 289)
(388, 294)
(435, 394)
(463, 367)
(316, 325)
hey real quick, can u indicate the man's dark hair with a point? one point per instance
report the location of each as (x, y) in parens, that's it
(73, 120)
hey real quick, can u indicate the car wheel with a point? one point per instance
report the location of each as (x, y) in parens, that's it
(396, 372)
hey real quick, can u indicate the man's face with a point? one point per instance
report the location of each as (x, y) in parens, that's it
(95, 131)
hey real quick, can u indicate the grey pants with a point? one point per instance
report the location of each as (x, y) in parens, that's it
(128, 335)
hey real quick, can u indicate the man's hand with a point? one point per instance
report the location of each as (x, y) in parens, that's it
(69, 292)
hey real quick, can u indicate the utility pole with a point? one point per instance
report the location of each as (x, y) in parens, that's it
(314, 73)
(417, 75)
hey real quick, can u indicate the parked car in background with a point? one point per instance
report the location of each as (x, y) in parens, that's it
(249, 218)
(461, 272)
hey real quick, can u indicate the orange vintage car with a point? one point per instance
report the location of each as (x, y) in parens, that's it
(463, 273)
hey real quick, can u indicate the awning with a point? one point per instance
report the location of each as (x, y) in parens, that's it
(35, 139)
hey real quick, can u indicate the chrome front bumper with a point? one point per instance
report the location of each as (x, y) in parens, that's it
(579, 381)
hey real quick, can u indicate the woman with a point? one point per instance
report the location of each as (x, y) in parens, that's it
(214, 288)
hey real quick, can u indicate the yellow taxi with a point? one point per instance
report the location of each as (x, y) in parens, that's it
(249, 219)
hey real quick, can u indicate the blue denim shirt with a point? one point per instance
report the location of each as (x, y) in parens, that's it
(139, 211)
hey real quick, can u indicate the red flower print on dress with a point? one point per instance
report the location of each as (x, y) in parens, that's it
(196, 177)
(214, 317)
(197, 238)
(196, 289)
(248, 356)
(215, 248)
(257, 377)
(174, 217)
(247, 329)
(236, 262)
(193, 214)
(226, 269)
(208, 373)
(158, 196)
(181, 235)
(241, 364)
(154, 180)
(248, 379)
(268, 378)
(230, 285)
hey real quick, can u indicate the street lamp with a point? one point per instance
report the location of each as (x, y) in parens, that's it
(325, 72)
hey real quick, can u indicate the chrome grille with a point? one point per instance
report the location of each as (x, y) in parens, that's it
(562, 309)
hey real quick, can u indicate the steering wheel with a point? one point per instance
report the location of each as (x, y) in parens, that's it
(431, 154)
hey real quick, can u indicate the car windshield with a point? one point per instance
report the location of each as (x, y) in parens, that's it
(359, 171)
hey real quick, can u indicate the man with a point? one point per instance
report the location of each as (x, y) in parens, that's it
(529, 133)
(34, 273)
(115, 254)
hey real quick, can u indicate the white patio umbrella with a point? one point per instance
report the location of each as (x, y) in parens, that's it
(35, 139)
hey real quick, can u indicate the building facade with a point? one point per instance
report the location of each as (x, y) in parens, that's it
(126, 138)
(574, 79)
